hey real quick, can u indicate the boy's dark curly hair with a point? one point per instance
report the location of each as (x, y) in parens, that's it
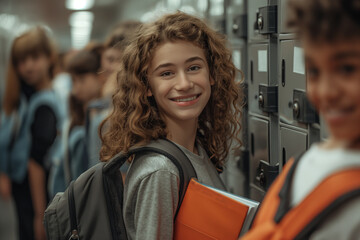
(325, 20)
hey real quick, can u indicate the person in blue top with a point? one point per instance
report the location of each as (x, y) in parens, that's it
(30, 120)
(84, 68)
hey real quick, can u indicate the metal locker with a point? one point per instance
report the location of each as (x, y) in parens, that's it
(237, 170)
(253, 10)
(282, 17)
(292, 143)
(217, 15)
(261, 172)
(239, 57)
(236, 17)
(294, 108)
(262, 98)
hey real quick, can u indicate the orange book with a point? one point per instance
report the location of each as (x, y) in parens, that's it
(210, 213)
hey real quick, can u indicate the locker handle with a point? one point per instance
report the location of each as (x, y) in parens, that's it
(284, 157)
(283, 73)
(251, 71)
(252, 144)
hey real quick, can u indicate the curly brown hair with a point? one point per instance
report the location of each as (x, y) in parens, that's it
(325, 20)
(135, 119)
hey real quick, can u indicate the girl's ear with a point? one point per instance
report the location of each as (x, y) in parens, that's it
(149, 93)
(212, 81)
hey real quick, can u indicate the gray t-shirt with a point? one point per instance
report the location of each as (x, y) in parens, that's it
(151, 193)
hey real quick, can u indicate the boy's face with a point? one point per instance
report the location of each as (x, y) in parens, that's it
(34, 69)
(333, 85)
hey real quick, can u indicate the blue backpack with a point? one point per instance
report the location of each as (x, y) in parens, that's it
(15, 134)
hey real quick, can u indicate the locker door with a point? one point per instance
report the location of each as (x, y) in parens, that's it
(239, 59)
(257, 75)
(237, 171)
(236, 17)
(282, 17)
(217, 15)
(293, 142)
(294, 107)
(259, 153)
(253, 9)
(292, 76)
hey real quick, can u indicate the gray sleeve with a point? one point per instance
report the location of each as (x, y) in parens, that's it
(156, 203)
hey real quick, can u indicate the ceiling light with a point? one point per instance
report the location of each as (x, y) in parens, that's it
(79, 4)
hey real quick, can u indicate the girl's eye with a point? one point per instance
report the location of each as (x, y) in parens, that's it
(194, 68)
(166, 74)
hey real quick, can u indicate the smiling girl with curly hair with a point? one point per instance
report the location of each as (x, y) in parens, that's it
(177, 81)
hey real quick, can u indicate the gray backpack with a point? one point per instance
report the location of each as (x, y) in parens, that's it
(91, 207)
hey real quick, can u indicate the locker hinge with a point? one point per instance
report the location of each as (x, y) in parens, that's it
(303, 111)
(268, 98)
(266, 21)
(266, 174)
(239, 27)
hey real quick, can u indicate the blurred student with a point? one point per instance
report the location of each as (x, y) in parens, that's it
(318, 196)
(62, 80)
(84, 67)
(29, 126)
(114, 47)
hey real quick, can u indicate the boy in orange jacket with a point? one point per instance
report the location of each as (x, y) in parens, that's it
(318, 195)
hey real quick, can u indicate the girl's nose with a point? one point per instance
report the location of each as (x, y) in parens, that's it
(184, 82)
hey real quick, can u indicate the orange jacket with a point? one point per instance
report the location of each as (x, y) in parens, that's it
(277, 220)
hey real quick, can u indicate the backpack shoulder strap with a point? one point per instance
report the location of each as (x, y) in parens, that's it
(166, 148)
(271, 202)
(326, 197)
(276, 218)
(114, 186)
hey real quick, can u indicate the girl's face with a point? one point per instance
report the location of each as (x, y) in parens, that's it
(86, 87)
(333, 86)
(34, 69)
(179, 80)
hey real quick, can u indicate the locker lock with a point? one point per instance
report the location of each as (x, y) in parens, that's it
(266, 21)
(296, 109)
(266, 174)
(261, 100)
(260, 21)
(268, 98)
(239, 27)
(303, 111)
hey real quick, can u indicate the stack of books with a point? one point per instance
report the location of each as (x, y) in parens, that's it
(210, 213)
